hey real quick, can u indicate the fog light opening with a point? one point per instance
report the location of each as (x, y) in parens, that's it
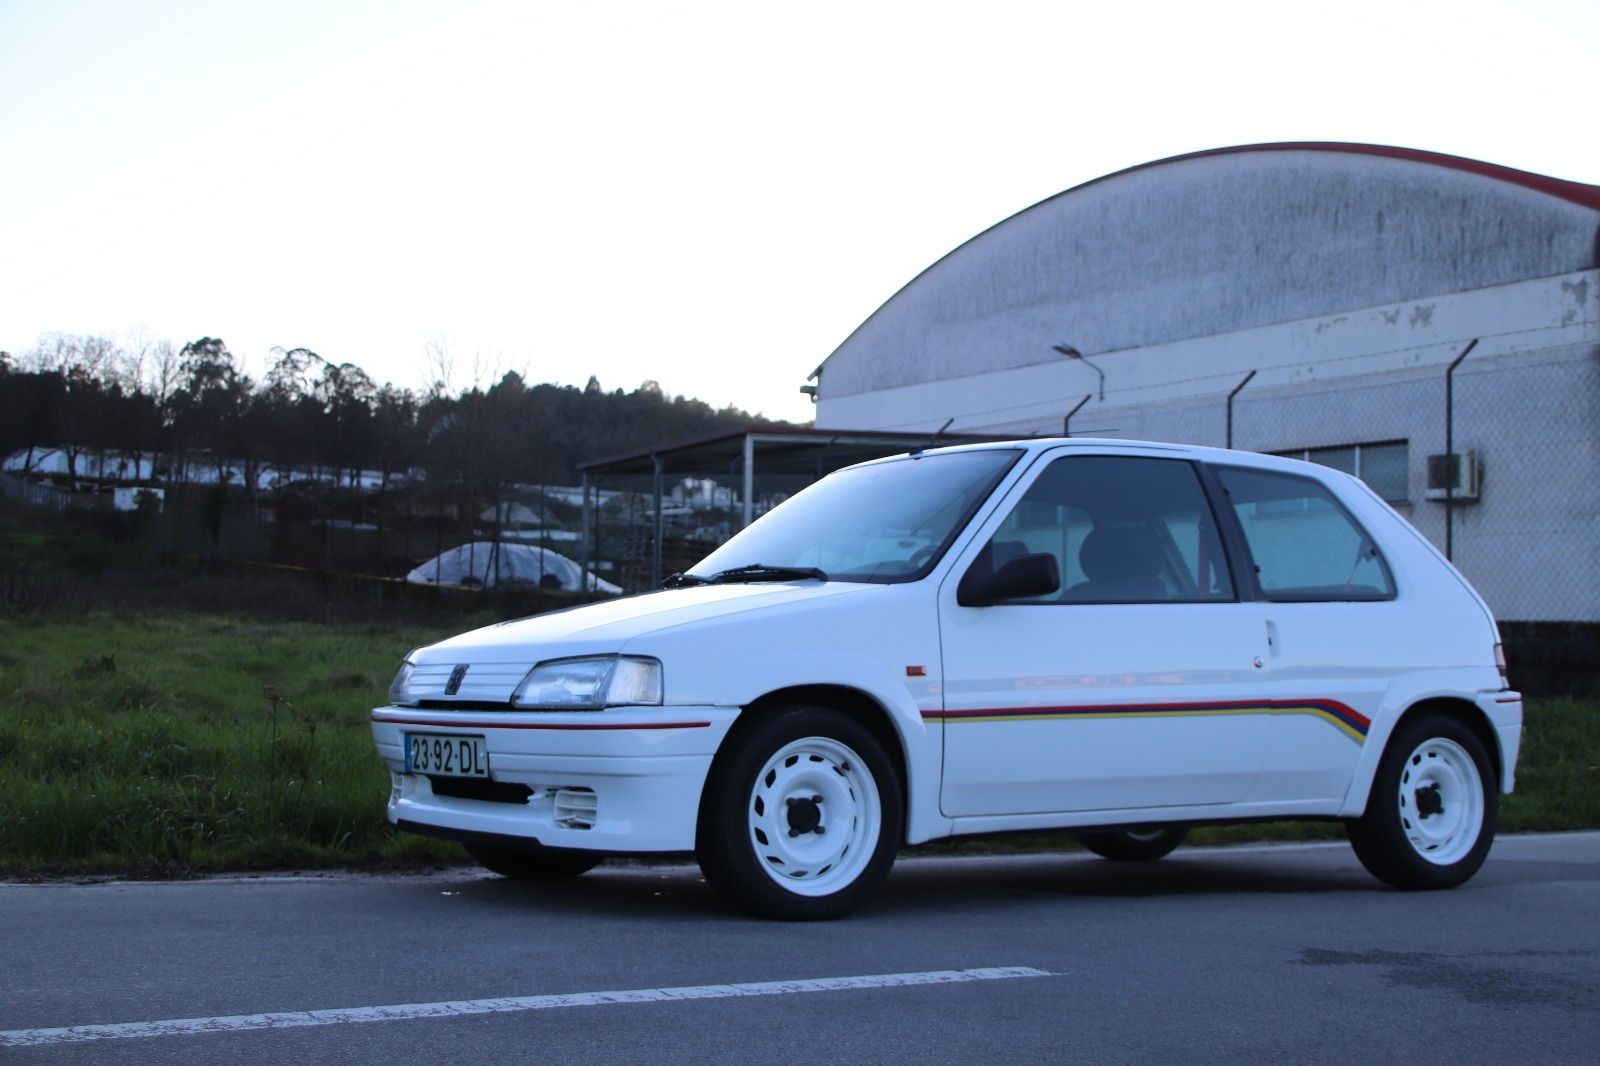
(576, 807)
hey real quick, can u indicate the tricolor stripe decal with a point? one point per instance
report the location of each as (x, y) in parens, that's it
(1347, 720)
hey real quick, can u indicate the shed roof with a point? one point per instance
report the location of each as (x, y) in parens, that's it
(779, 451)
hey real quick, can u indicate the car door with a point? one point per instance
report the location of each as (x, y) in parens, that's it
(1134, 684)
(1337, 630)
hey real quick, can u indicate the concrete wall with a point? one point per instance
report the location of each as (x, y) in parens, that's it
(1345, 282)
(1531, 542)
(1356, 344)
(1527, 400)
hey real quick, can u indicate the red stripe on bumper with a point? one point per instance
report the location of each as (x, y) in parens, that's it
(542, 725)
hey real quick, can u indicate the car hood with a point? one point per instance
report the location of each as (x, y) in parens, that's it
(600, 628)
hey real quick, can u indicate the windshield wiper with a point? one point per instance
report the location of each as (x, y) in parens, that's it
(682, 580)
(763, 572)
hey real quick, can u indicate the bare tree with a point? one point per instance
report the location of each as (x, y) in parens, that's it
(82, 361)
(160, 366)
(438, 364)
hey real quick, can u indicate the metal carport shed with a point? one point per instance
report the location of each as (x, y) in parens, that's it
(744, 454)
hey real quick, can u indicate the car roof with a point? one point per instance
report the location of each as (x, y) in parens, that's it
(1111, 445)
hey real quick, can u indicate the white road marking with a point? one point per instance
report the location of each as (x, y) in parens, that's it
(511, 1004)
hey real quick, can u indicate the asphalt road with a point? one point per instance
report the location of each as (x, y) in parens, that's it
(1288, 953)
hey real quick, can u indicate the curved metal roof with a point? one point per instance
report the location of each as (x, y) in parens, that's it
(1177, 248)
(1571, 191)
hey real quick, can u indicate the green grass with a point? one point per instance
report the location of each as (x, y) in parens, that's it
(1558, 775)
(154, 745)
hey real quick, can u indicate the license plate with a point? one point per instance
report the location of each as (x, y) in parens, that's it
(446, 755)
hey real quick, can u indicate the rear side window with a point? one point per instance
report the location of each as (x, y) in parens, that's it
(1305, 545)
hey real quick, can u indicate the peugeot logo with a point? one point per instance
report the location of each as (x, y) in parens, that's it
(453, 686)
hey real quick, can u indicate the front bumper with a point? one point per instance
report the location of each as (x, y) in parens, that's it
(624, 780)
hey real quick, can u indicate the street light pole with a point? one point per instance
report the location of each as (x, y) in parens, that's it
(1072, 353)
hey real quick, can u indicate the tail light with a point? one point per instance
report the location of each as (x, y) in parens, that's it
(1500, 664)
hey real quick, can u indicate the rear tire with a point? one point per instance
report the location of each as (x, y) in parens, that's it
(1138, 844)
(802, 815)
(539, 864)
(1434, 805)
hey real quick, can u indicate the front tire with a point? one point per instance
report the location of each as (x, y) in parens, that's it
(539, 864)
(1140, 844)
(1433, 809)
(802, 815)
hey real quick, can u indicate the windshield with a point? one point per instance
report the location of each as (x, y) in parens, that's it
(884, 522)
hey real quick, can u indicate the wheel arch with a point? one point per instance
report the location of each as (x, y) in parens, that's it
(1468, 714)
(1462, 710)
(861, 706)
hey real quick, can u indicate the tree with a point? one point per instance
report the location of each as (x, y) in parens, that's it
(210, 405)
(347, 396)
(28, 420)
(80, 361)
(294, 412)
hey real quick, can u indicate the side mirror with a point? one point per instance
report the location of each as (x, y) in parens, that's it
(1019, 579)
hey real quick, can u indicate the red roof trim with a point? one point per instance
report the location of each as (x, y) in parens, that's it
(1571, 191)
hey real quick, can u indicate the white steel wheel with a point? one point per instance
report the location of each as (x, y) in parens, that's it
(814, 815)
(1433, 807)
(1441, 801)
(802, 814)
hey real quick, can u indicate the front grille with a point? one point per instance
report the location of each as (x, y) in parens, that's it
(474, 682)
(480, 788)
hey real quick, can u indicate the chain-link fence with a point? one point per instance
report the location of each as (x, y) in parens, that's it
(1515, 497)
(1496, 463)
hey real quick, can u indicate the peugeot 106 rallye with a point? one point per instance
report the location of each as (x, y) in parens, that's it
(1117, 639)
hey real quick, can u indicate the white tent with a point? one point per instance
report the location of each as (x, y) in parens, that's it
(486, 564)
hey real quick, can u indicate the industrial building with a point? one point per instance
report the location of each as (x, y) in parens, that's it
(1428, 323)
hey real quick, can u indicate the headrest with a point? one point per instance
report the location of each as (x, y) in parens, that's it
(1116, 553)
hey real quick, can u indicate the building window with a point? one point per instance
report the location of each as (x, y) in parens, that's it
(1385, 466)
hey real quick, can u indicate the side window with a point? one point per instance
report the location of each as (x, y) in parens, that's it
(1123, 529)
(1304, 544)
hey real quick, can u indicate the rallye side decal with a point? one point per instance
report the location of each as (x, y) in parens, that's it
(1347, 720)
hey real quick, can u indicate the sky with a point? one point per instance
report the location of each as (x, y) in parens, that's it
(710, 194)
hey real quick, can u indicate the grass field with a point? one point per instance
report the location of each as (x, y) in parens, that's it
(186, 741)
(194, 741)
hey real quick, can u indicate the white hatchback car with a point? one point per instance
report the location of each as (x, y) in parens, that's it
(1117, 639)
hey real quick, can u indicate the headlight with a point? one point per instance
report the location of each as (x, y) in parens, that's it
(400, 688)
(590, 684)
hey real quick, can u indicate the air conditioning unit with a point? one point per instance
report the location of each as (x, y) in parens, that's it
(1460, 473)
